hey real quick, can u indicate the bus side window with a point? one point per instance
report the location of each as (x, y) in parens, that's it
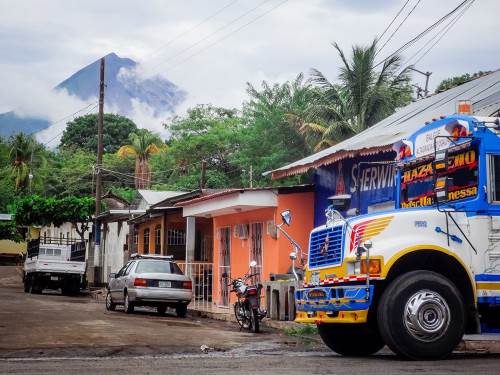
(494, 179)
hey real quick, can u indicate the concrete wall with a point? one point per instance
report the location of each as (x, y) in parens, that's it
(115, 238)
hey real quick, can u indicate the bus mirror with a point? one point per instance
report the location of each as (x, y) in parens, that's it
(441, 161)
(441, 189)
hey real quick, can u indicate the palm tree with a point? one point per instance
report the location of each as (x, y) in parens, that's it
(362, 97)
(24, 154)
(143, 144)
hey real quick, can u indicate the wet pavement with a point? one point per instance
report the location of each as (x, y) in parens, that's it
(50, 333)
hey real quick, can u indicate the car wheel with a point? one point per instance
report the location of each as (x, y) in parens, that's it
(127, 305)
(161, 310)
(181, 311)
(35, 287)
(421, 315)
(110, 306)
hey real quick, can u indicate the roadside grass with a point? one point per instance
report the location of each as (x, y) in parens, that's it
(302, 330)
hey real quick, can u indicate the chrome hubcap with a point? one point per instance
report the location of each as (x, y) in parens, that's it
(426, 316)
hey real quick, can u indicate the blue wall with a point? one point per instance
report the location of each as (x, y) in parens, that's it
(376, 183)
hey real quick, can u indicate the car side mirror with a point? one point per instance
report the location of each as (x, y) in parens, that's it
(293, 255)
(286, 217)
(113, 275)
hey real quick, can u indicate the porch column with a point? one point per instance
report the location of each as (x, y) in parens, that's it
(190, 238)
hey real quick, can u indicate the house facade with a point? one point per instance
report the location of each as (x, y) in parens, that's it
(244, 229)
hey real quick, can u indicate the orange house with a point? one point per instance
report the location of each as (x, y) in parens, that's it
(244, 229)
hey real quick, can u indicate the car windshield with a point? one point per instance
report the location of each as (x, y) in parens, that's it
(157, 266)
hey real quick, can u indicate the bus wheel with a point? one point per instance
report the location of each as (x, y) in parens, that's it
(421, 315)
(351, 339)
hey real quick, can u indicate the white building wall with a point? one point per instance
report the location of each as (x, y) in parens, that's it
(116, 238)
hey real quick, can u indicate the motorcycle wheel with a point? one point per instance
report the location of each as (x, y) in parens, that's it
(255, 321)
(242, 315)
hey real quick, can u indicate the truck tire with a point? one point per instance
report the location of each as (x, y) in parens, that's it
(353, 340)
(35, 287)
(110, 305)
(127, 305)
(421, 315)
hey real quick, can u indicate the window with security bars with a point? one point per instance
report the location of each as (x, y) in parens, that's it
(256, 249)
(176, 237)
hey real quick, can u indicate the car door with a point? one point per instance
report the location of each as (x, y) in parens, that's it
(119, 283)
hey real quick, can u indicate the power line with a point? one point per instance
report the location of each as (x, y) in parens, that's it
(428, 29)
(394, 19)
(398, 27)
(450, 25)
(181, 34)
(441, 32)
(173, 67)
(181, 52)
(62, 131)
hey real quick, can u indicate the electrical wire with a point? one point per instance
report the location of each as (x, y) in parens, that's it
(394, 19)
(181, 34)
(450, 25)
(181, 63)
(62, 131)
(226, 25)
(439, 35)
(423, 33)
(398, 27)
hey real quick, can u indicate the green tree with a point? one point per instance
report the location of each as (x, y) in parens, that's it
(82, 132)
(25, 154)
(37, 210)
(362, 97)
(8, 231)
(206, 133)
(142, 144)
(449, 83)
(270, 137)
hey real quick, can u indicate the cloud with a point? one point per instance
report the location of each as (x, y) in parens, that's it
(43, 43)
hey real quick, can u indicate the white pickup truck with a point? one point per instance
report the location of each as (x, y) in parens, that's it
(53, 263)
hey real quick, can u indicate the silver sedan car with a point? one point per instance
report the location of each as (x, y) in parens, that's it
(148, 280)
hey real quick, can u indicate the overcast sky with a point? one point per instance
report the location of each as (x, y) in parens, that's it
(44, 42)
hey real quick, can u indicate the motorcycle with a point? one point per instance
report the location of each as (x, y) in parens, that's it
(247, 308)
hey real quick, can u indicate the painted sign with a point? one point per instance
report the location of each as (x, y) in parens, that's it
(376, 183)
(417, 183)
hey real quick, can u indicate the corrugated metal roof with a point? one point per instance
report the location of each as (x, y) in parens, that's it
(484, 93)
(153, 196)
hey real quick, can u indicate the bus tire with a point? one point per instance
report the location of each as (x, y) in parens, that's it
(352, 340)
(421, 315)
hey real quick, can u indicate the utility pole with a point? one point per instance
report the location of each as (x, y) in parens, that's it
(100, 126)
(202, 174)
(427, 76)
(98, 187)
(251, 176)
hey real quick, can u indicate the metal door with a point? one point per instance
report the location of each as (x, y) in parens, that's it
(224, 264)
(256, 249)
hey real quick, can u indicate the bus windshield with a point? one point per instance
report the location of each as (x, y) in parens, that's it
(417, 182)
